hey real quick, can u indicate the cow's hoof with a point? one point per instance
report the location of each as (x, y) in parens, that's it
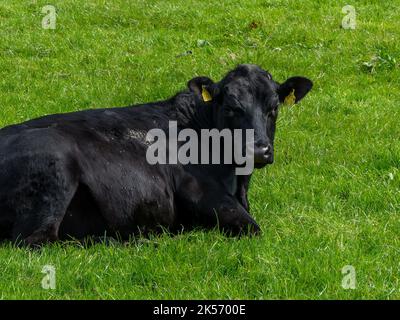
(253, 230)
(37, 240)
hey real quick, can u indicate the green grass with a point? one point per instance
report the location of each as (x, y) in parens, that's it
(331, 199)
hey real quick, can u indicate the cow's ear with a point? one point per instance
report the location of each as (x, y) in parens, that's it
(204, 88)
(294, 89)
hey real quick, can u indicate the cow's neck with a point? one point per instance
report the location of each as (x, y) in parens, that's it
(192, 113)
(204, 118)
(230, 181)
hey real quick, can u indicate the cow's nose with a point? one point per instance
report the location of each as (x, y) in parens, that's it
(263, 155)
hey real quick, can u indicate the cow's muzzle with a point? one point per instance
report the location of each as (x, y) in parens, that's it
(263, 155)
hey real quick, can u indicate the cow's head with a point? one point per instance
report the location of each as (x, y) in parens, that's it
(248, 98)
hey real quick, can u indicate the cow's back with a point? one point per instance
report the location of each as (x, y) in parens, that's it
(105, 151)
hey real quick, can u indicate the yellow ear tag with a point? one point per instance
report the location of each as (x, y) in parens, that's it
(290, 99)
(205, 94)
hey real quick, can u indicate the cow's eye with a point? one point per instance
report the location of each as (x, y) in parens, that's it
(274, 112)
(233, 111)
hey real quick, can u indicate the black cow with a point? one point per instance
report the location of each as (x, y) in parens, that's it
(86, 173)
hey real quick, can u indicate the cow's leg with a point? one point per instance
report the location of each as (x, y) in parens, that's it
(39, 219)
(243, 183)
(42, 201)
(210, 206)
(230, 217)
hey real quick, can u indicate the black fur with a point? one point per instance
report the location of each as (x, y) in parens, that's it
(85, 173)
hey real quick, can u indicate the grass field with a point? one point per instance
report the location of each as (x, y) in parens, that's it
(331, 199)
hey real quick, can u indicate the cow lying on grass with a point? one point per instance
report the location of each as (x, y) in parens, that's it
(86, 173)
